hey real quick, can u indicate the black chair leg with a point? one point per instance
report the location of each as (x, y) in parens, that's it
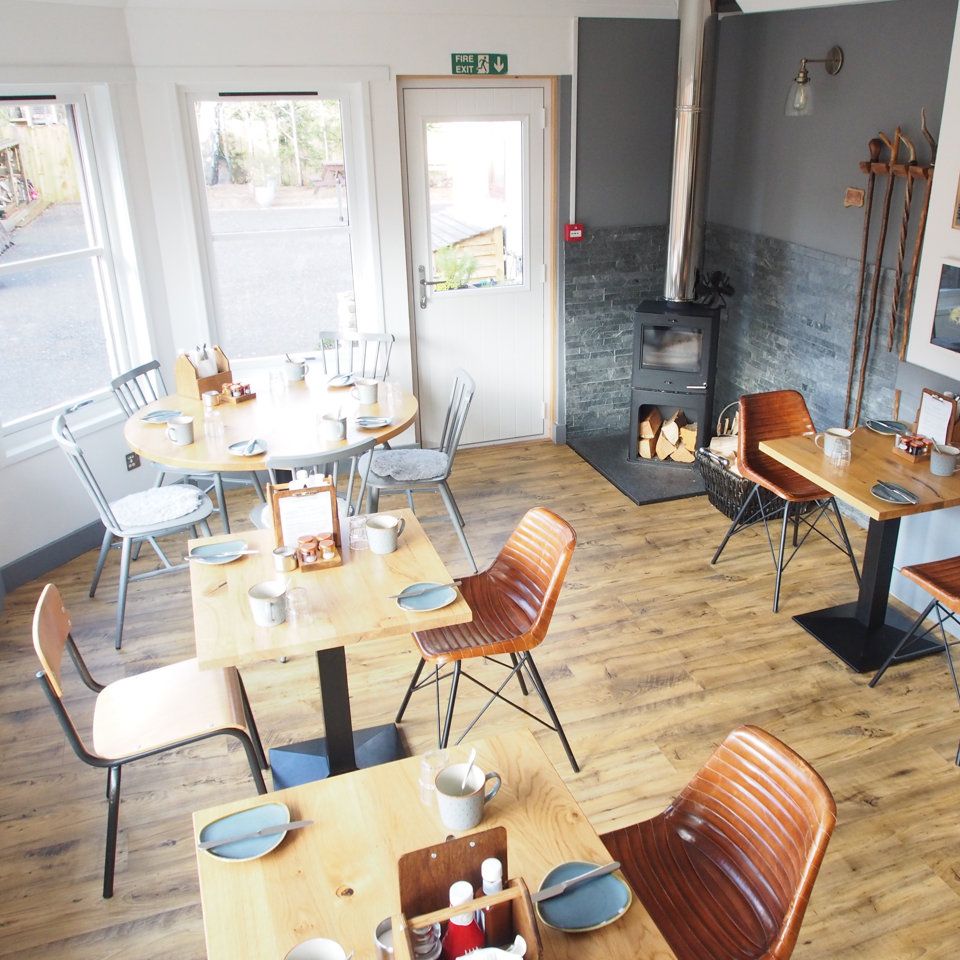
(113, 822)
(548, 706)
(410, 688)
(846, 540)
(252, 725)
(252, 759)
(523, 683)
(783, 549)
(736, 520)
(907, 637)
(448, 723)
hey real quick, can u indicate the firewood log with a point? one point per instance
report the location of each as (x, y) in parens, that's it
(650, 424)
(688, 435)
(671, 426)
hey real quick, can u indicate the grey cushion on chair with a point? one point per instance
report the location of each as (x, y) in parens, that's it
(410, 465)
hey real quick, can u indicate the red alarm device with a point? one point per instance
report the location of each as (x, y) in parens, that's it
(573, 232)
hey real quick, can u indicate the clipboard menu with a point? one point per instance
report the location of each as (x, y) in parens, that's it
(937, 416)
(306, 512)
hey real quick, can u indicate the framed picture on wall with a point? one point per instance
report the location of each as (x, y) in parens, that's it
(946, 316)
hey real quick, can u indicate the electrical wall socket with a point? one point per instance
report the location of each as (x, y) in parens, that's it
(133, 461)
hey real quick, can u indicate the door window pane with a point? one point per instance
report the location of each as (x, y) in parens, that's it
(475, 175)
(275, 186)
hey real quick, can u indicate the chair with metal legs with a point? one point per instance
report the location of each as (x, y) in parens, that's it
(769, 416)
(512, 602)
(142, 715)
(941, 579)
(137, 518)
(364, 354)
(433, 467)
(728, 868)
(144, 384)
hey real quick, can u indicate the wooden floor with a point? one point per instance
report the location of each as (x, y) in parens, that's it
(653, 657)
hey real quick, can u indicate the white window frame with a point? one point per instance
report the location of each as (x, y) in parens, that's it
(361, 193)
(112, 250)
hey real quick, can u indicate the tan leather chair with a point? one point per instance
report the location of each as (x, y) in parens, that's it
(512, 603)
(941, 579)
(727, 869)
(770, 416)
(142, 715)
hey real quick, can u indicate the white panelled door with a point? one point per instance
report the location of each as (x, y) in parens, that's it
(475, 182)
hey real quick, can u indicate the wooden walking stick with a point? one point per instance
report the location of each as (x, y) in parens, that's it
(877, 270)
(918, 243)
(902, 242)
(875, 146)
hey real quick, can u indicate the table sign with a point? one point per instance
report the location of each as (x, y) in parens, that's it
(306, 512)
(937, 416)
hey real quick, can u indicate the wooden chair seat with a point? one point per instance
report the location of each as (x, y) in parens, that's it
(940, 578)
(727, 869)
(163, 707)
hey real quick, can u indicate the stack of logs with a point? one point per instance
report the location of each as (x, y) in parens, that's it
(671, 439)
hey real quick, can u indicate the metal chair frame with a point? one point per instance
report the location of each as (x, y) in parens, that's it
(252, 745)
(519, 662)
(944, 615)
(364, 352)
(144, 384)
(461, 396)
(129, 537)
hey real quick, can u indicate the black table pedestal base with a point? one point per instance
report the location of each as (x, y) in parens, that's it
(862, 648)
(307, 761)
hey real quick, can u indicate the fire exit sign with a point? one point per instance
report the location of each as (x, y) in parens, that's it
(477, 64)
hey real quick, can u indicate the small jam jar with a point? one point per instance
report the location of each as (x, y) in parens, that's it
(328, 548)
(308, 549)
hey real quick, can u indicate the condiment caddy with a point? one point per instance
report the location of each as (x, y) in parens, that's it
(195, 376)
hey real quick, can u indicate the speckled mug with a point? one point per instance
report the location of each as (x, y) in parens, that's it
(462, 809)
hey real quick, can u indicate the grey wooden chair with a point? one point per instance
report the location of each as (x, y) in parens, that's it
(127, 521)
(436, 464)
(134, 389)
(365, 354)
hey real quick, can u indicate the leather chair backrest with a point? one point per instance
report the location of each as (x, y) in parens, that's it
(769, 416)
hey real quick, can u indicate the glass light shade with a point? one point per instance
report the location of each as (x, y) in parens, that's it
(799, 100)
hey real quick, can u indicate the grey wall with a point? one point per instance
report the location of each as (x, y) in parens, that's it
(784, 177)
(626, 85)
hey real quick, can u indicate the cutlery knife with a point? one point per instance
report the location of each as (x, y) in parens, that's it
(262, 832)
(250, 447)
(422, 591)
(556, 889)
(221, 556)
(901, 496)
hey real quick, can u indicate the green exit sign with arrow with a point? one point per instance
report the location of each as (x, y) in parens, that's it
(478, 64)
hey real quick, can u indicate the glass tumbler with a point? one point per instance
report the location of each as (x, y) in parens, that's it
(841, 452)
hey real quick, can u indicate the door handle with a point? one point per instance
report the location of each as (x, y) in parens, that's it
(424, 283)
(696, 386)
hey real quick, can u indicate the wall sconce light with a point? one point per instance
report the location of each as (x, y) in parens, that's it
(800, 98)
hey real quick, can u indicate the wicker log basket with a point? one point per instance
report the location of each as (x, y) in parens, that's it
(726, 489)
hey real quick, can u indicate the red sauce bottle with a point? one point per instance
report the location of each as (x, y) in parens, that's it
(463, 932)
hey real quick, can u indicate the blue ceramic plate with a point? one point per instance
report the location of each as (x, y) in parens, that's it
(215, 553)
(246, 821)
(372, 423)
(161, 416)
(592, 905)
(893, 493)
(887, 427)
(341, 380)
(239, 449)
(433, 597)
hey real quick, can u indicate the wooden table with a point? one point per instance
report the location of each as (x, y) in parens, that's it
(346, 604)
(338, 878)
(288, 424)
(862, 634)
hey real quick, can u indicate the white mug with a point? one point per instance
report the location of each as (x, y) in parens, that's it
(830, 439)
(332, 427)
(367, 391)
(295, 370)
(383, 532)
(268, 603)
(461, 808)
(180, 430)
(318, 948)
(943, 460)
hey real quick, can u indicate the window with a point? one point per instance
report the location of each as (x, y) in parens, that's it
(275, 203)
(61, 337)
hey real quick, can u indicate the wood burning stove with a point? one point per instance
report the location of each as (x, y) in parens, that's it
(674, 363)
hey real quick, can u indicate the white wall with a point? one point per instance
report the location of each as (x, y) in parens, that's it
(932, 536)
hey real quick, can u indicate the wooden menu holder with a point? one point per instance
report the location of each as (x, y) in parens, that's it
(952, 434)
(425, 878)
(190, 384)
(327, 513)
